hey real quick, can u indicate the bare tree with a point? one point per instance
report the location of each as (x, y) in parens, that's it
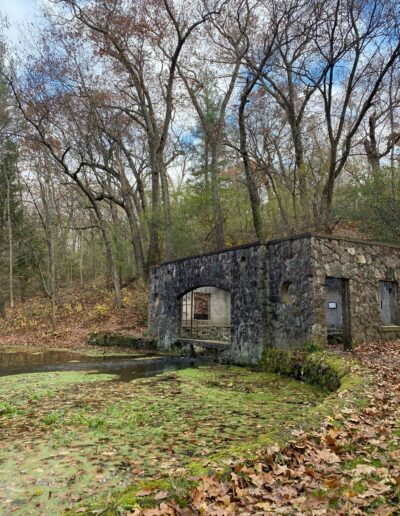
(360, 44)
(128, 34)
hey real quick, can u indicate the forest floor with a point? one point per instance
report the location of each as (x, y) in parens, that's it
(80, 312)
(67, 436)
(74, 427)
(348, 466)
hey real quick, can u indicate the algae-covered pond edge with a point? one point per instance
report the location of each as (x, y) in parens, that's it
(341, 376)
(116, 433)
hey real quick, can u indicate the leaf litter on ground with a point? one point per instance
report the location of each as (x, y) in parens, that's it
(350, 466)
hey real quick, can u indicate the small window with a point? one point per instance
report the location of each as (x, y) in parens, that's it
(201, 306)
(288, 292)
(389, 304)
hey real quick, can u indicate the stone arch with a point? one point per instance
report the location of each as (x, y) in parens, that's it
(205, 314)
(240, 271)
(205, 285)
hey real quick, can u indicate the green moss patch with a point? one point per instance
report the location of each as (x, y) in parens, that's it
(324, 369)
(345, 385)
(70, 436)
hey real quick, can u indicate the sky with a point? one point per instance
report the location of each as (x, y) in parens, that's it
(17, 12)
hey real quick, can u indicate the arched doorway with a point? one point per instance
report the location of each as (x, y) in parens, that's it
(206, 314)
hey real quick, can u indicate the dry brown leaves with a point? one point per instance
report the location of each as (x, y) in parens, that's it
(79, 313)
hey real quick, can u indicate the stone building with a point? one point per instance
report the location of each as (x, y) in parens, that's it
(282, 293)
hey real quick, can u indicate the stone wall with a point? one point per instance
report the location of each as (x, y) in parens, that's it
(364, 265)
(241, 271)
(291, 317)
(207, 332)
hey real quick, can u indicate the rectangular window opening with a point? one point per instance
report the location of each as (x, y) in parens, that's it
(389, 303)
(201, 306)
(337, 311)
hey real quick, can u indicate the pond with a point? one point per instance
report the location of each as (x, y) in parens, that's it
(72, 430)
(126, 366)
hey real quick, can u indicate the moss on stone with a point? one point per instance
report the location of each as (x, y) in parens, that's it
(282, 361)
(322, 368)
(129, 341)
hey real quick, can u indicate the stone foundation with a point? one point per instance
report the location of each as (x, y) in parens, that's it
(207, 332)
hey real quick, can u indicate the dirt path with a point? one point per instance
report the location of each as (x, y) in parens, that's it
(351, 466)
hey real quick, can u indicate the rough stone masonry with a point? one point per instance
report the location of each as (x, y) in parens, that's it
(307, 288)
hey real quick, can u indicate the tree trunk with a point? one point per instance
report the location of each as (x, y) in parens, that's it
(252, 188)
(109, 254)
(154, 251)
(2, 307)
(115, 231)
(47, 201)
(10, 242)
(80, 260)
(301, 171)
(216, 200)
(169, 247)
(324, 222)
(371, 146)
(134, 228)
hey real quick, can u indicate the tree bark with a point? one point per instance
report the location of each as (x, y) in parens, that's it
(155, 225)
(109, 254)
(2, 307)
(371, 146)
(216, 200)
(47, 221)
(252, 188)
(10, 240)
(169, 246)
(134, 228)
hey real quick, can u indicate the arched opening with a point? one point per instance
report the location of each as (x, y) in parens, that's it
(288, 292)
(206, 314)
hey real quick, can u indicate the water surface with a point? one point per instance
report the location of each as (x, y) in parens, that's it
(127, 366)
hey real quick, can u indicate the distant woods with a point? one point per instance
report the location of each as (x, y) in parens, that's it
(138, 131)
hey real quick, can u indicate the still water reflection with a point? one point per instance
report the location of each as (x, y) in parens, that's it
(127, 367)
